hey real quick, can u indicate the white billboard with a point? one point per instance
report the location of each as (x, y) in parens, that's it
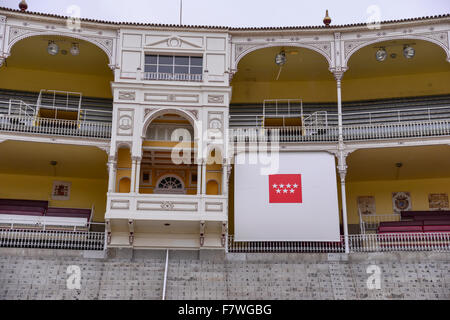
(295, 202)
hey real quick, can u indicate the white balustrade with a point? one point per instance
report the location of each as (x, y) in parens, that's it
(52, 236)
(172, 76)
(438, 241)
(73, 128)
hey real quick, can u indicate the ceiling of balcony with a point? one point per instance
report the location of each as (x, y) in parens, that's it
(429, 58)
(307, 65)
(31, 53)
(425, 162)
(31, 158)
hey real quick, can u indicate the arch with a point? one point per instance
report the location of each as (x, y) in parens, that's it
(124, 185)
(212, 187)
(408, 37)
(98, 44)
(284, 44)
(170, 179)
(156, 113)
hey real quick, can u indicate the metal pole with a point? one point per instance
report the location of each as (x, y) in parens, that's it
(181, 11)
(165, 275)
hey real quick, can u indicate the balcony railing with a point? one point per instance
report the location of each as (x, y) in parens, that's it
(371, 222)
(284, 134)
(374, 131)
(357, 243)
(166, 206)
(53, 236)
(73, 128)
(172, 76)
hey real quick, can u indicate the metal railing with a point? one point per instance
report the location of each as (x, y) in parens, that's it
(396, 115)
(439, 241)
(369, 222)
(350, 132)
(61, 127)
(171, 76)
(397, 130)
(284, 134)
(53, 237)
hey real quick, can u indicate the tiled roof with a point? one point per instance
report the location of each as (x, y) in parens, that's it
(446, 15)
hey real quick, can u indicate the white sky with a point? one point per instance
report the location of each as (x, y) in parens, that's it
(240, 13)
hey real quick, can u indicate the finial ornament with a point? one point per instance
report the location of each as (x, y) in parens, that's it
(327, 19)
(23, 5)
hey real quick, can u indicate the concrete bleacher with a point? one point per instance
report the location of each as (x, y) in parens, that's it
(357, 112)
(95, 109)
(42, 274)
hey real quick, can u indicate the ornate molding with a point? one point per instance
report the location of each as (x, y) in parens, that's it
(213, 98)
(149, 110)
(194, 113)
(127, 95)
(167, 205)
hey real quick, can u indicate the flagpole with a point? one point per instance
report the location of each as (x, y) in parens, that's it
(181, 11)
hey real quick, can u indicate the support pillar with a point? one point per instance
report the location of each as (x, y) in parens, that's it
(138, 174)
(225, 179)
(338, 76)
(133, 174)
(203, 177)
(342, 169)
(112, 166)
(199, 178)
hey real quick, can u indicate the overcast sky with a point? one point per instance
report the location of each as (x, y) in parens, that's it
(244, 13)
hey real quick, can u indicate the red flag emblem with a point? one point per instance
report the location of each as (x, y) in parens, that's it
(285, 188)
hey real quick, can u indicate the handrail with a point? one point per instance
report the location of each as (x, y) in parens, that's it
(172, 76)
(75, 128)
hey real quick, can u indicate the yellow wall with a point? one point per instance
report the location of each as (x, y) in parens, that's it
(35, 80)
(382, 191)
(352, 89)
(191, 189)
(83, 194)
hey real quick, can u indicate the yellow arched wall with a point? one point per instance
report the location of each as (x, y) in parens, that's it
(382, 191)
(212, 187)
(83, 194)
(124, 185)
(35, 80)
(352, 89)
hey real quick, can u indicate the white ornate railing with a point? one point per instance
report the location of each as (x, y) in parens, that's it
(284, 134)
(350, 133)
(397, 130)
(371, 222)
(358, 243)
(62, 127)
(172, 76)
(52, 237)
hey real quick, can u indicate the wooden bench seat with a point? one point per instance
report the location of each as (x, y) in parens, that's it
(69, 213)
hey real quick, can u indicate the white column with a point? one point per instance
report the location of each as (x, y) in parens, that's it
(225, 179)
(204, 177)
(133, 174)
(138, 174)
(112, 175)
(342, 168)
(199, 178)
(338, 76)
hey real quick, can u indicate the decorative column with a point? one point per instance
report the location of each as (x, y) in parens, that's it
(338, 76)
(133, 174)
(225, 178)
(138, 174)
(342, 169)
(203, 176)
(199, 177)
(112, 168)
